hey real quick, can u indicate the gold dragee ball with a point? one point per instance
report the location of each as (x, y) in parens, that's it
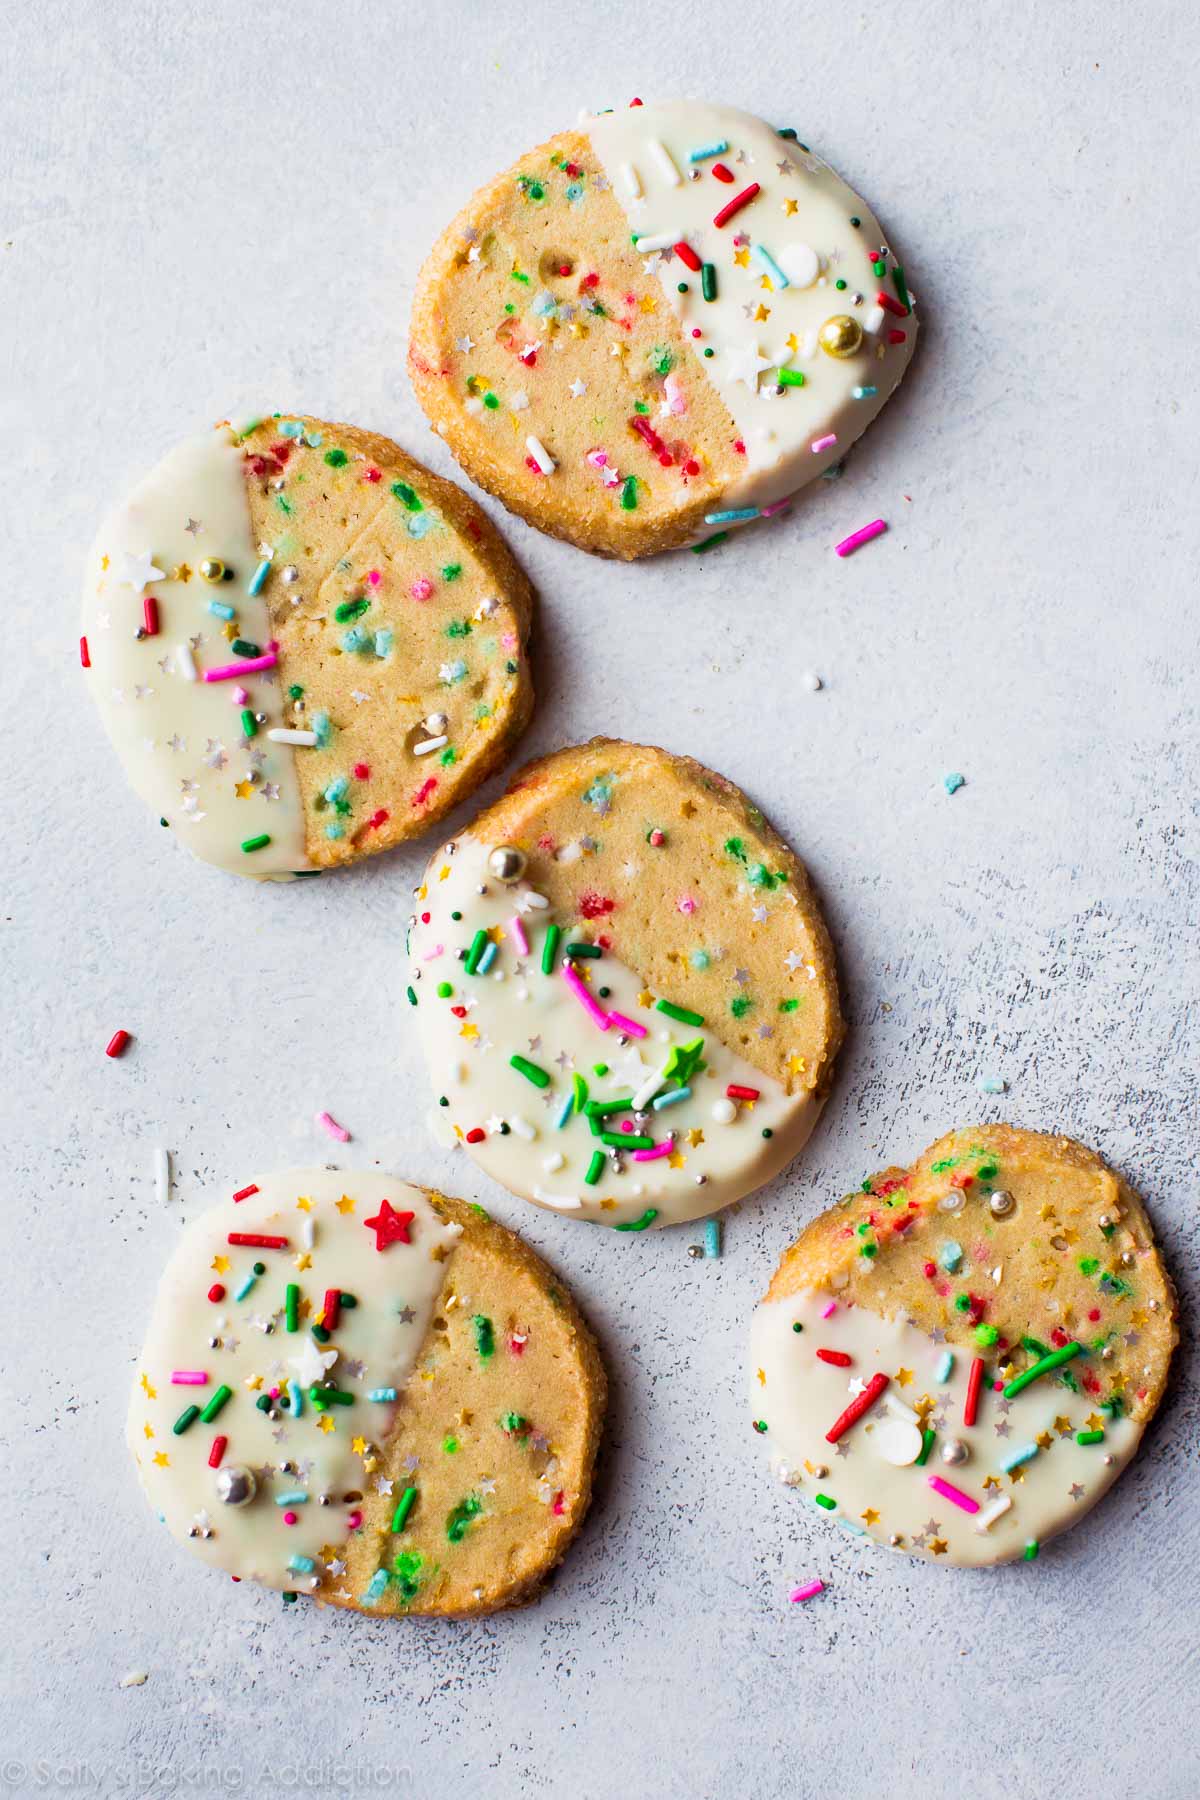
(507, 863)
(840, 336)
(212, 569)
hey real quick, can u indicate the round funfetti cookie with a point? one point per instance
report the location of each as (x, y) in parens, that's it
(356, 1389)
(960, 1358)
(304, 646)
(625, 989)
(659, 326)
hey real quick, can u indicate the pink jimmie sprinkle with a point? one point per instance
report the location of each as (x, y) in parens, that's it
(240, 696)
(849, 545)
(559, 1507)
(663, 1149)
(189, 1378)
(948, 1491)
(768, 512)
(809, 1591)
(630, 1027)
(421, 590)
(432, 955)
(354, 1521)
(827, 1312)
(330, 1124)
(518, 931)
(235, 671)
(825, 443)
(599, 1016)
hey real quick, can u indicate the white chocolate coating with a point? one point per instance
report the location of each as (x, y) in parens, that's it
(871, 1473)
(375, 1345)
(514, 1008)
(180, 737)
(756, 325)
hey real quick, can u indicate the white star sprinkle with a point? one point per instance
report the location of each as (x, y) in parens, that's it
(139, 570)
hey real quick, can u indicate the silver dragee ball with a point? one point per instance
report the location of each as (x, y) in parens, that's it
(954, 1452)
(1001, 1204)
(236, 1486)
(507, 863)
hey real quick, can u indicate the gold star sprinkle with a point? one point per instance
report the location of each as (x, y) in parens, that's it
(243, 789)
(161, 1460)
(254, 1382)
(903, 1377)
(991, 1481)
(645, 999)
(303, 1260)
(1063, 1426)
(359, 1445)
(469, 1031)
(742, 258)
(870, 1517)
(325, 1423)
(695, 1138)
(789, 207)
(1043, 1440)
(793, 342)
(938, 1546)
(303, 1203)
(148, 1431)
(677, 1159)
(345, 1204)
(1094, 1421)
(607, 1205)
(151, 1393)
(181, 573)
(762, 313)
(220, 1264)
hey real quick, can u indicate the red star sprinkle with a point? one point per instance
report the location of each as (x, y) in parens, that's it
(390, 1226)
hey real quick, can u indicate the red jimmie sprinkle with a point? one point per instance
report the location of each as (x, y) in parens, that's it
(257, 1240)
(150, 615)
(974, 1381)
(736, 204)
(217, 1452)
(688, 257)
(721, 172)
(118, 1043)
(245, 1193)
(647, 432)
(423, 792)
(838, 1358)
(216, 1292)
(475, 1135)
(897, 337)
(734, 1092)
(857, 1407)
(331, 1309)
(84, 657)
(890, 304)
(362, 772)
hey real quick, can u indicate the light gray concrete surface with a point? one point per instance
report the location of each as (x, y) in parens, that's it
(215, 207)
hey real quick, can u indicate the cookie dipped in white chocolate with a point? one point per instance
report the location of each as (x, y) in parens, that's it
(960, 1358)
(780, 275)
(659, 326)
(195, 713)
(286, 1325)
(564, 1077)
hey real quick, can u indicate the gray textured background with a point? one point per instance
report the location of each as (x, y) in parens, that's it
(223, 207)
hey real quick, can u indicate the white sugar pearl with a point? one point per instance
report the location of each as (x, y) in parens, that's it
(800, 263)
(897, 1442)
(724, 1111)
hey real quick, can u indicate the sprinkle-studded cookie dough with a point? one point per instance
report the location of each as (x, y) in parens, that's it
(305, 647)
(960, 1359)
(657, 327)
(625, 989)
(357, 1390)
